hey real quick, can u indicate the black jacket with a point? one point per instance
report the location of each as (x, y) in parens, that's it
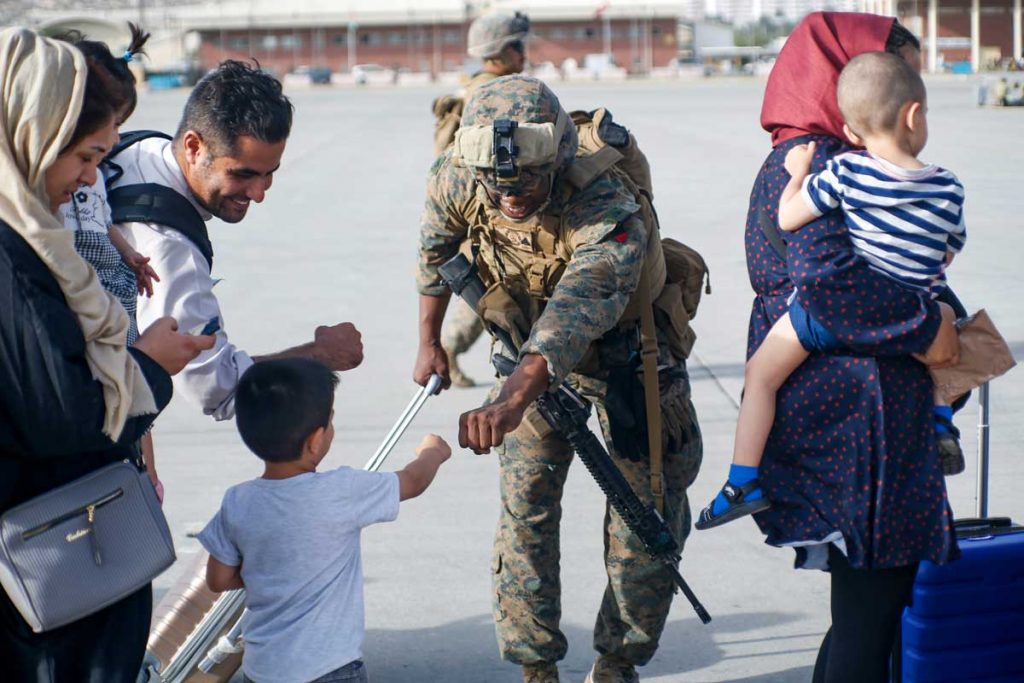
(51, 409)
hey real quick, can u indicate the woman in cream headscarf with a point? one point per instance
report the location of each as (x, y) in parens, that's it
(74, 397)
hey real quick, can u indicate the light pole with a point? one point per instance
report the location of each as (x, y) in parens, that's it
(607, 33)
(353, 27)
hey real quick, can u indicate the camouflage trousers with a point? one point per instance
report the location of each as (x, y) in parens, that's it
(637, 597)
(462, 327)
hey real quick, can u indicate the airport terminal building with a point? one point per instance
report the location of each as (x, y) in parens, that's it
(428, 37)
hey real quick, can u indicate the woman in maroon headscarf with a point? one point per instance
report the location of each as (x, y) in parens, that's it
(851, 465)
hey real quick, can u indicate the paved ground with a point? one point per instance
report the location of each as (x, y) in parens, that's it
(336, 240)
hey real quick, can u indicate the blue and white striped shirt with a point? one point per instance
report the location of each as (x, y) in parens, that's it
(901, 221)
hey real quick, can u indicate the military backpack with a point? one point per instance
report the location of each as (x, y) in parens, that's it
(607, 146)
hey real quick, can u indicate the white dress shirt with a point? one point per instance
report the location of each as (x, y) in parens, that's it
(185, 290)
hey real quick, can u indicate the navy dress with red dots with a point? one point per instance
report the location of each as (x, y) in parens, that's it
(851, 458)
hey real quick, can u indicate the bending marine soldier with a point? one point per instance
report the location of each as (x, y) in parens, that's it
(499, 39)
(563, 257)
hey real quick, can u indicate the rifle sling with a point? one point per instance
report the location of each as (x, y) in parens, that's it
(649, 356)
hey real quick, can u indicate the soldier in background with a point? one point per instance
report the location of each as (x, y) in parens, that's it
(563, 261)
(500, 41)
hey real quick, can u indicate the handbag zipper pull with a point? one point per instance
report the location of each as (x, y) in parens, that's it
(96, 556)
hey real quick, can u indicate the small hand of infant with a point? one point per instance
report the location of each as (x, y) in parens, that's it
(798, 159)
(144, 273)
(431, 444)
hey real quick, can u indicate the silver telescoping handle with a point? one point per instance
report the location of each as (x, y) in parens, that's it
(228, 643)
(983, 429)
(190, 655)
(404, 420)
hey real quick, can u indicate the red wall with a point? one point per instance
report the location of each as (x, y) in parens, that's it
(557, 41)
(954, 19)
(417, 48)
(436, 48)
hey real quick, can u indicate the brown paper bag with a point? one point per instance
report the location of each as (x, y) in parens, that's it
(984, 355)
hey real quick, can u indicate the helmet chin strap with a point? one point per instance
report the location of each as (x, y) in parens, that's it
(540, 208)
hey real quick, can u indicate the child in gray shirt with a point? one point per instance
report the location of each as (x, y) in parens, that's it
(291, 537)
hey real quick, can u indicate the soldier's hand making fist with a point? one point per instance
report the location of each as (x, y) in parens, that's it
(486, 427)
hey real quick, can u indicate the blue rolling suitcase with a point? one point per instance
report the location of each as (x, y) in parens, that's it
(966, 619)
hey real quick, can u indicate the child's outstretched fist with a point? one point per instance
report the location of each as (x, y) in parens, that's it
(432, 442)
(414, 478)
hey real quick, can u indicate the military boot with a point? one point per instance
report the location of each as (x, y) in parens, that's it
(540, 672)
(611, 669)
(459, 378)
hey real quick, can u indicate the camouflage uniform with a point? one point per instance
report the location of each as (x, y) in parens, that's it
(448, 111)
(608, 243)
(488, 36)
(462, 326)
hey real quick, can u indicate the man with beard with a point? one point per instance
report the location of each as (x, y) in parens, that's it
(223, 157)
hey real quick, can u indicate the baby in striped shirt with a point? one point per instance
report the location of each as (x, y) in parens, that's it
(905, 218)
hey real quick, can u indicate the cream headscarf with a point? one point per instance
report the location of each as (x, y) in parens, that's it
(42, 84)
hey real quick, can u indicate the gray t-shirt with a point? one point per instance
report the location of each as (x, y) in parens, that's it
(297, 541)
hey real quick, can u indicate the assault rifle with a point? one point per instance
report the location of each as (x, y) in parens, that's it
(567, 412)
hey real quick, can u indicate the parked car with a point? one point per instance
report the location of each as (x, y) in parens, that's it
(174, 76)
(546, 71)
(373, 74)
(317, 75)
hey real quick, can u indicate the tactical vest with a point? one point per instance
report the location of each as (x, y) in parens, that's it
(521, 262)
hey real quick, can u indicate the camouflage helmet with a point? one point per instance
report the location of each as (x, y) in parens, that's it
(525, 100)
(489, 34)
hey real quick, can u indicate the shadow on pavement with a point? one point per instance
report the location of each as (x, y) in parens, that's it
(464, 651)
(799, 674)
(700, 372)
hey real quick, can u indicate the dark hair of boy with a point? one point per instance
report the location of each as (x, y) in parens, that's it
(280, 403)
(236, 99)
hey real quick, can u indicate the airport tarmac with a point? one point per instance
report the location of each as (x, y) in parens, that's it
(335, 240)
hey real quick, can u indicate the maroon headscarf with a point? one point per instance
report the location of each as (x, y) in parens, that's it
(801, 93)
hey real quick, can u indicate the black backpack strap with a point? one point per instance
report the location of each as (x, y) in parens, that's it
(113, 171)
(152, 203)
(131, 137)
(771, 233)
